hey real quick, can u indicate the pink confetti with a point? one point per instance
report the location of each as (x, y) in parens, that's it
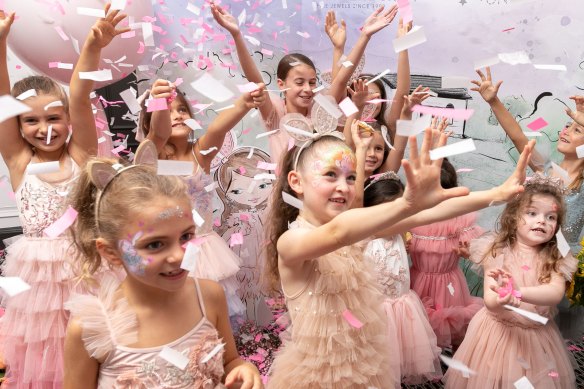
(246, 131)
(247, 88)
(157, 105)
(141, 48)
(303, 34)
(508, 29)
(553, 374)
(61, 224)
(267, 52)
(537, 124)
(236, 239)
(244, 217)
(458, 114)
(353, 321)
(290, 143)
(242, 170)
(61, 33)
(573, 347)
(267, 166)
(129, 34)
(217, 223)
(525, 268)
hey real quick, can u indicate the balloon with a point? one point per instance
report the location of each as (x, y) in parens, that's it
(35, 39)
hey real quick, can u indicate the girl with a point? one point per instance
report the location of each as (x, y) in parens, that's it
(297, 74)
(168, 129)
(33, 327)
(503, 346)
(415, 356)
(571, 137)
(338, 334)
(246, 213)
(118, 339)
(435, 275)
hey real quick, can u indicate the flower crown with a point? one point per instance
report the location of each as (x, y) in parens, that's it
(389, 175)
(556, 183)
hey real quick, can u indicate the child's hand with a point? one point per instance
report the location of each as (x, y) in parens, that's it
(486, 88)
(245, 374)
(439, 125)
(225, 19)
(362, 139)
(415, 98)
(379, 19)
(423, 188)
(507, 294)
(336, 33)
(256, 98)
(5, 24)
(104, 30)
(514, 184)
(579, 100)
(162, 89)
(403, 29)
(463, 249)
(578, 115)
(360, 94)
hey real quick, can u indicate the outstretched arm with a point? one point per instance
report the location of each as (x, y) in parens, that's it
(378, 20)
(81, 371)
(227, 119)
(423, 191)
(15, 150)
(84, 138)
(578, 115)
(249, 67)
(160, 122)
(488, 92)
(361, 139)
(338, 36)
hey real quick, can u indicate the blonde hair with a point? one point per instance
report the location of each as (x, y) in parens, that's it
(127, 193)
(507, 226)
(42, 85)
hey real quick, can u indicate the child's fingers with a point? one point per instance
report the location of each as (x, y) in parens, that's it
(481, 75)
(118, 19)
(488, 68)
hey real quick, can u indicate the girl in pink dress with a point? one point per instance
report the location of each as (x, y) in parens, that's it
(523, 268)
(62, 131)
(158, 327)
(435, 274)
(168, 129)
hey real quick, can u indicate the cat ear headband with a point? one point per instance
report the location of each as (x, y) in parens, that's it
(306, 131)
(102, 174)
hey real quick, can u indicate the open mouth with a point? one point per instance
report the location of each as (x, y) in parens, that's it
(179, 124)
(175, 274)
(541, 230)
(338, 200)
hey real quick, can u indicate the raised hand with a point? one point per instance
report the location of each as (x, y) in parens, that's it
(255, 98)
(416, 97)
(379, 19)
(336, 33)
(361, 138)
(360, 94)
(403, 29)
(5, 24)
(246, 375)
(104, 30)
(485, 86)
(225, 19)
(514, 184)
(162, 89)
(578, 115)
(423, 188)
(507, 295)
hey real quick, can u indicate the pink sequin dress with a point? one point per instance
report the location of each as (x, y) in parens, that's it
(216, 260)
(32, 331)
(502, 347)
(326, 351)
(109, 326)
(415, 354)
(437, 279)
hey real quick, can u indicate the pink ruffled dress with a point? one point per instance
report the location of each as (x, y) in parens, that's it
(279, 140)
(216, 260)
(109, 326)
(437, 279)
(415, 355)
(32, 330)
(503, 347)
(326, 351)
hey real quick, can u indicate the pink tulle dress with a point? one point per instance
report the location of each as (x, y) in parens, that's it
(32, 331)
(279, 140)
(326, 350)
(437, 279)
(216, 260)
(503, 347)
(109, 326)
(415, 354)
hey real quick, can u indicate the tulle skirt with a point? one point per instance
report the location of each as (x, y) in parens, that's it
(32, 330)
(416, 354)
(503, 352)
(218, 263)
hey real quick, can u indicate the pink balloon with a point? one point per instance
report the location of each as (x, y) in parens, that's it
(35, 39)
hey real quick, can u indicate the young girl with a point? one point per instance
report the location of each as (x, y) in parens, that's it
(246, 214)
(297, 74)
(415, 353)
(435, 275)
(170, 132)
(502, 346)
(119, 339)
(33, 327)
(338, 328)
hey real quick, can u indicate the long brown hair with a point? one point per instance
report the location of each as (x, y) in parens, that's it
(507, 226)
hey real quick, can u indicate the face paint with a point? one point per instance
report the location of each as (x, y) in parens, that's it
(135, 263)
(171, 212)
(337, 156)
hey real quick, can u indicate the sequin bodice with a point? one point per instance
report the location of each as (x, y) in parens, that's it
(40, 203)
(201, 199)
(574, 218)
(391, 265)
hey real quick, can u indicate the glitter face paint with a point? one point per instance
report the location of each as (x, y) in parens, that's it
(171, 212)
(337, 156)
(136, 264)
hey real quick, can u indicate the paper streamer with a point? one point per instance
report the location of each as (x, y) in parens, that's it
(62, 223)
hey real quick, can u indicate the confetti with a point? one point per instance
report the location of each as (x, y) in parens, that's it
(174, 357)
(61, 224)
(351, 319)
